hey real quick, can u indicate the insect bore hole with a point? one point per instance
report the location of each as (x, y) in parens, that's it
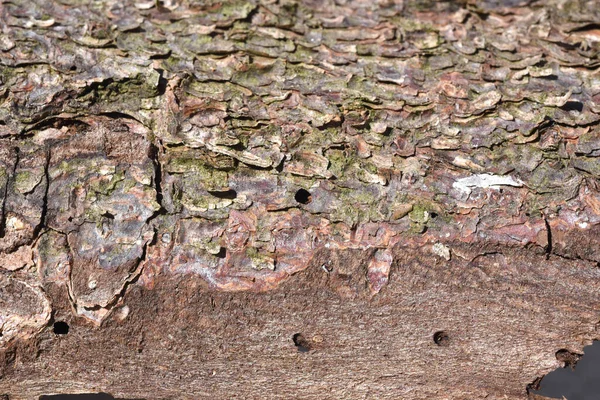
(301, 343)
(61, 328)
(441, 338)
(303, 196)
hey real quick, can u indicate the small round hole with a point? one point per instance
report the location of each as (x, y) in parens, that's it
(61, 328)
(303, 196)
(433, 215)
(222, 253)
(301, 343)
(441, 338)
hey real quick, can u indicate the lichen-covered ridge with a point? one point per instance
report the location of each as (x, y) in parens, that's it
(237, 141)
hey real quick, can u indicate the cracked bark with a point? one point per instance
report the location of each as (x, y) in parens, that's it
(297, 199)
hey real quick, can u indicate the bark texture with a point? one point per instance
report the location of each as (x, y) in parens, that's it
(282, 199)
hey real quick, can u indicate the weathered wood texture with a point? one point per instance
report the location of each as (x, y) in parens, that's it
(286, 199)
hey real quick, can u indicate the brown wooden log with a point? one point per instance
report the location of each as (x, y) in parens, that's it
(278, 199)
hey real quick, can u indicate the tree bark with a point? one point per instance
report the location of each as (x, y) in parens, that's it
(285, 199)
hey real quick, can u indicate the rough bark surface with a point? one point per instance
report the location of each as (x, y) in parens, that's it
(283, 199)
